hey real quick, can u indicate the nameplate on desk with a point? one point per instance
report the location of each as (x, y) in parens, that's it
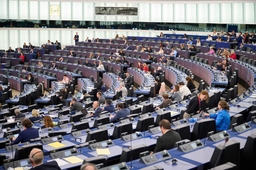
(219, 136)
(103, 144)
(64, 153)
(51, 139)
(155, 130)
(79, 133)
(241, 128)
(19, 163)
(187, 147)
(133, 136)
(156, 157)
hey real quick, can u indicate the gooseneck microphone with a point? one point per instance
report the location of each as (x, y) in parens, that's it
(226, 140)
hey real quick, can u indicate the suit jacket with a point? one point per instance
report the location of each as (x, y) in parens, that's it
(120, 114)
(109, 108)
(128, 82)
(76, 106)
(52, 165)
(102, 100)
(165, 103)
(191, 86)
(97, 112)
(195, 105)
(26, 135)
(167, 141)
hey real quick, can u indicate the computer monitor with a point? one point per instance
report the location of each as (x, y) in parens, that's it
(144, 123)
(81, 126)
(23, 151)
(98, 135)
(147, 107)
(129, 154)
(229, 152)
(9, 125)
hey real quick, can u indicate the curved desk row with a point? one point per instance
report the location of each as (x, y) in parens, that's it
(245, 71)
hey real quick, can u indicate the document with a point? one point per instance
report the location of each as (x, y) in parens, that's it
(73, 159)
(104, 151)
(61, 162)
(56, 145)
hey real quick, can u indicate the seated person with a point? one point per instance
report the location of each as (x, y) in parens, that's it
(88, 166)
(27, 134)
(30, 78)
(190, 84)
(218, 66)
(40, 64)
(97, 109)
(184, 90)
(169, 137)
(65, 79)
(222, 118)
(35, 116)
(232, 55)
(209, 38)
(100, 66)
(211, 51)
(101, 98)
(48, 123)
(166, 101)
(61, 59)
(121, 113)
(87, 64)
(128, 80)
(158, 71)
(36, 158)
(109, 107)
(26, 68)
(176, 95)
(53, 66)
(75, 106)
(123, 89)
(62, 95)
(71, 54)
(145, 67)
(140, 65)
(174, 53)
(162, 88)
(22, 58)
(18, 114)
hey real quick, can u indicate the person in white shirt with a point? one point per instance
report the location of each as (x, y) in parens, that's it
(184, 90)
(123, 89)
(65, 79)
(209, 38)
(101, 66)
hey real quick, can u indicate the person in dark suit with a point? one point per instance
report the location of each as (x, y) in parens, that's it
(36, 158)
(169, 137)
(26, 68)
(18, 115)
(239, 40)
(53, 66)
(166, 101)
(97, 109)
(30, 78)
(27, 134)
(75, 106)
(158, 71)
(196, 104)
(121, 113)
(101, 98)
(109, 106)
(190, 84)
(128, 80)
(76, 38)
(71, 54)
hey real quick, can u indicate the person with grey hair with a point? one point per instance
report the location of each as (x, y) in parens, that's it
(88, 166)
(123, 89)
(18, 115)
(36, 158)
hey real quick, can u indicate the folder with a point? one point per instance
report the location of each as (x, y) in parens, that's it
(73, 159)
(104, 151)
(56, 145)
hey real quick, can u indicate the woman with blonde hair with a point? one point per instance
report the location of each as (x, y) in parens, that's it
(48, 123)
(35, 116)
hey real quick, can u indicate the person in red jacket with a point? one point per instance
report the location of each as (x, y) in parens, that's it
(145, 67)
(22, 58)
(232, 55)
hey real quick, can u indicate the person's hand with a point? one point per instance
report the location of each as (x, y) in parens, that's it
(206, 114)
(13, 138)
(111, 116)
(151, 152)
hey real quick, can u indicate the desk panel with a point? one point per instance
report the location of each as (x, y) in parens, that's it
(202, 155)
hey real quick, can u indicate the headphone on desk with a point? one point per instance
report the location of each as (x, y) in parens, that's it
(168, 161)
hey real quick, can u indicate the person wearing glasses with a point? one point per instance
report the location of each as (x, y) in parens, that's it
(36, 158)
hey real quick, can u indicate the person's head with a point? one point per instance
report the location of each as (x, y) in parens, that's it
(99, 94)
(127, 74)
(17, 111)
(35, 113)
(88, 166)
(36, 156)
(29, 75)
(65, 76)
(176, 88)
(181, 84)
(223, 105)
(73, 100)
(76, 33)
(189, 79)
(232, 51)
(26, 123)
(48, 122)
(100, 62)
(120, 106)
(165, 96)
(159, 68)
(95, 104)
(203, 95)
(165, 125)
(108, 102)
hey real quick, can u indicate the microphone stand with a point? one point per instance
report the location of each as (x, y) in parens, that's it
(226, 140)
(131, 151)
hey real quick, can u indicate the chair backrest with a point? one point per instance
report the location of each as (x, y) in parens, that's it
(98, 135)
(129, 154)
(97, 160)
(24, 151)
(121, 128)
(202, 127)
(143, 124)
(184, 131)
(57, 133)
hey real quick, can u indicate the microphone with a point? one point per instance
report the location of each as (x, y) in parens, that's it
(226, 140)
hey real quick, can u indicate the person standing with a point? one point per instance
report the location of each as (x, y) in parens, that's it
(76, 38)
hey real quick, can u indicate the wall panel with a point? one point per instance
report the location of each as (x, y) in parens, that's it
(191, 12)
(249, 13)
(34, 37)
(225, 13)
(202, 13)
(155, 14)
(4, 9)
(65, 10)
(23, 10)
(4, 40)
(77, 11)
(144, 12)
(167, 13)
(44, 10)
(237, 13)
(13, 10)
(14, 38)
(44, 36)
(54, 35)
(214, 13)
(89, 11)
(179, 12)
(24, 37)
(67, 37)
(33, 10)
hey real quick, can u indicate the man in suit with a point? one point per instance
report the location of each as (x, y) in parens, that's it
(121, 113)
(88, 166)
(76, 38)
(128, 80)
(97, 109)
(36, 157)
(26, 68)
(158, 71)
(27, 134)
(109, 106)
(71, 54)
(101, 99)
(169, 137)
(18, 115)
(75, 106)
